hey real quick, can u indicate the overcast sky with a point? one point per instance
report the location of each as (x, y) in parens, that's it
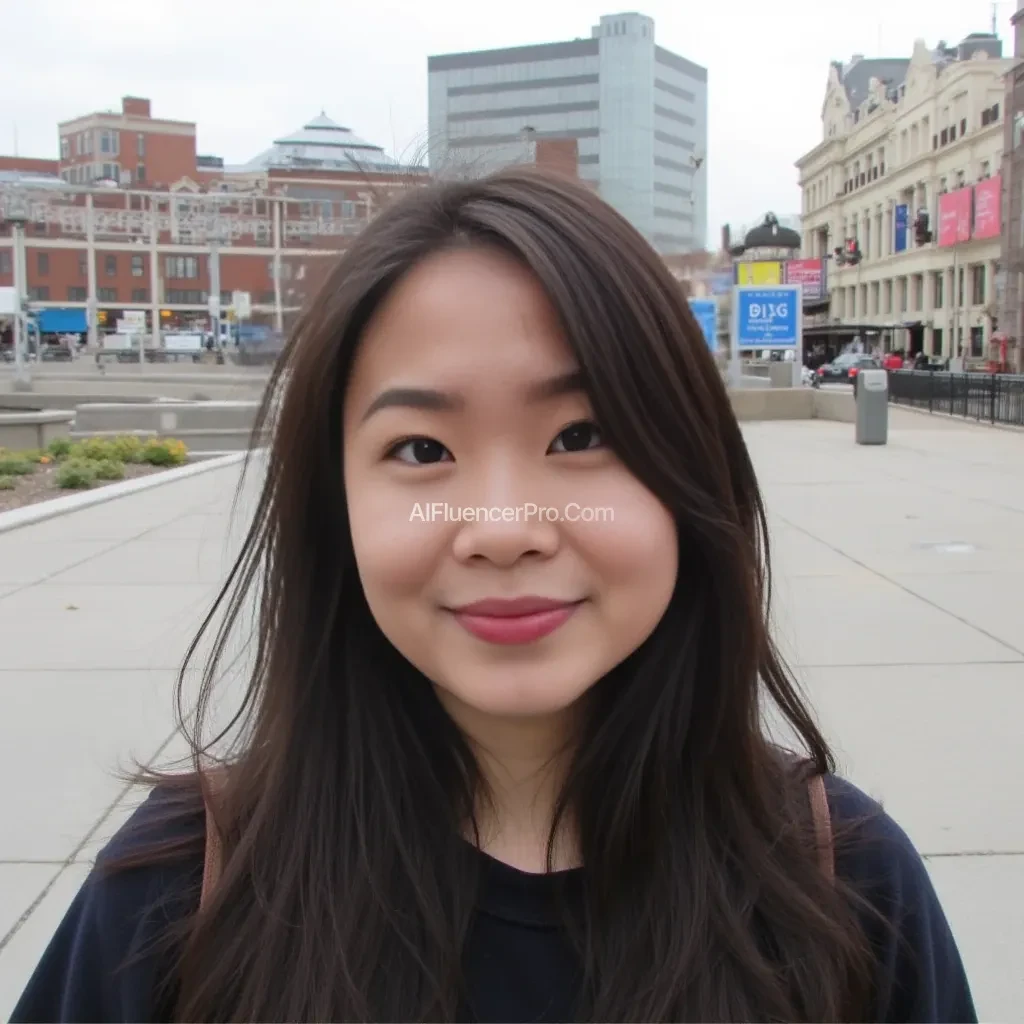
(247, 73)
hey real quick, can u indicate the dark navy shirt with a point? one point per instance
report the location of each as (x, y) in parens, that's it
(519, 965)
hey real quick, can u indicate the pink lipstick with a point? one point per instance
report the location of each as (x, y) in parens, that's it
(520, 621)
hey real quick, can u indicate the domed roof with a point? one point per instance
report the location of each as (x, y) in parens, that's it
(324, 144)
(771, 235)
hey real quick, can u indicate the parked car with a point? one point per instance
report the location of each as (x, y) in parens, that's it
(844, 368)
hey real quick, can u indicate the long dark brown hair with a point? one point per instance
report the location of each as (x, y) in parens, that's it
(348, 891)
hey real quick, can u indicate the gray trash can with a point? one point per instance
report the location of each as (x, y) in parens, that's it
(872, 399)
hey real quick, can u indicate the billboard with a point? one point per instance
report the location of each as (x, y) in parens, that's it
(810, 274)
(902, 222)
(955, 216)
(988, 208)
(759, 272)
(769, 317)
(706, 313)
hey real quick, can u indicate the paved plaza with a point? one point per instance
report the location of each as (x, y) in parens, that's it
(900, 576)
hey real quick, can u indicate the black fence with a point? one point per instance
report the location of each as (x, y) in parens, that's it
(994, 398)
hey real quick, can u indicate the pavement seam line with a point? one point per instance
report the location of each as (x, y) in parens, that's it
(906, 590)
(72, 858)
(115, 545)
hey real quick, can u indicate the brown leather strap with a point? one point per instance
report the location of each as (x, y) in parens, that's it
(212, 861)
(822, 825)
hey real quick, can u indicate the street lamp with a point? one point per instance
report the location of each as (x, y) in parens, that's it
(15, 211)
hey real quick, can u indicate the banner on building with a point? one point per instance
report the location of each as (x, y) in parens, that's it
(955, 217)
(759, 272)
(810, 274)
(902, 223)
(988, 208)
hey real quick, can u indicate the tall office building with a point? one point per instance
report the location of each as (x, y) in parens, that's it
(637, 111)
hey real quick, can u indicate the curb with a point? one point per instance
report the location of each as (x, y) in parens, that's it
(54, 507)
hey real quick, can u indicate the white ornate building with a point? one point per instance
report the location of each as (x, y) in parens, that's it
(897, 136)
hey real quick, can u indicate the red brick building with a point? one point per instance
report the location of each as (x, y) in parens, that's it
(132, 218)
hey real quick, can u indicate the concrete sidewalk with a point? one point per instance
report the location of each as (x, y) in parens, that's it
(899, 575)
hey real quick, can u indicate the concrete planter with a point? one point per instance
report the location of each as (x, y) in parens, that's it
(33, 429)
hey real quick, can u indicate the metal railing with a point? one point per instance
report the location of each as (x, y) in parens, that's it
(993, 398)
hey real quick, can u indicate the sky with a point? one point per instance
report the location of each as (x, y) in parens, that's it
(248, 73)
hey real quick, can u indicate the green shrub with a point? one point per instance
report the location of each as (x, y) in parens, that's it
(60, 447)
(164, 452)
(126, 448)
(76, 474)
(32, 455)
(109, 469)
(15, 465)
(7, 483)
(92, 449)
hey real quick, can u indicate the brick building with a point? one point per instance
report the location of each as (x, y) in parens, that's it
(132, 218)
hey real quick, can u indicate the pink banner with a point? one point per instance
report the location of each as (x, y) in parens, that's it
(810, 274)
(988, 208)
(955, 216)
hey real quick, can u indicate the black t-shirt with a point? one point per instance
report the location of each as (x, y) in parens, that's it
(518, 963)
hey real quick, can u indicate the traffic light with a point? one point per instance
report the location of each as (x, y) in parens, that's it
(852, 254)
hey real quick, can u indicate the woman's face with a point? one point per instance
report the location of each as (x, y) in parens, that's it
(504, 550)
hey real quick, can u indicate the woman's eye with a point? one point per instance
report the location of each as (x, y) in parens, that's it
(577, 437)
(420, 451)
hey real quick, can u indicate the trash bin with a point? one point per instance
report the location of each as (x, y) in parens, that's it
(872, 400)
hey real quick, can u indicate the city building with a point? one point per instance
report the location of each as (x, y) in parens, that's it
(1011, 317)
(902, 197)
(637, 111)
(130, 218)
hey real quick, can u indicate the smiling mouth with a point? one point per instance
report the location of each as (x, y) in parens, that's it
(521, 621)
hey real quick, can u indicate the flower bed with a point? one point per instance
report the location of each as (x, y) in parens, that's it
(66, 466)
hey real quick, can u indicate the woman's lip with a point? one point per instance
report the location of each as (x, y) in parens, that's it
(521, 628)
(496, 607)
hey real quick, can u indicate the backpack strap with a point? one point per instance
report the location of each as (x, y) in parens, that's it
(822, 825)
(213, 859)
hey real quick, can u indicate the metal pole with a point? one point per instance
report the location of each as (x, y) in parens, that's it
(90, 273)
(278, 311)
(214, 296)
(154, 270)
(20, 331)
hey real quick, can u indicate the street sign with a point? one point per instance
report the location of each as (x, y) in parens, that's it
(768, 317)
(706, 313)
(242, 304)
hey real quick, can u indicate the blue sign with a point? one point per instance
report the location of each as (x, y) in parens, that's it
(901, 220)
(706, 313)
(768, 317)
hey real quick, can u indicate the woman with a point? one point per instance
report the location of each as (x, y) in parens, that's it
(504, 753)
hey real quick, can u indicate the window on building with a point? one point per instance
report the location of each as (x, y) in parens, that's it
(83, 264)
(938, 281)
(65, 147)
(43, 263)
(76, 293)
(140, 145)
(985, 170)
(140, 295)
(137, 267)
(107, 294)
(977, 342)
(110, 142)
(266, 298)
(960, 287)
(978, 284)
(963, 127)
(5, 261)
(186, 297)
(110, 265)
(182, 267)
(39, 294)
(140, 173)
